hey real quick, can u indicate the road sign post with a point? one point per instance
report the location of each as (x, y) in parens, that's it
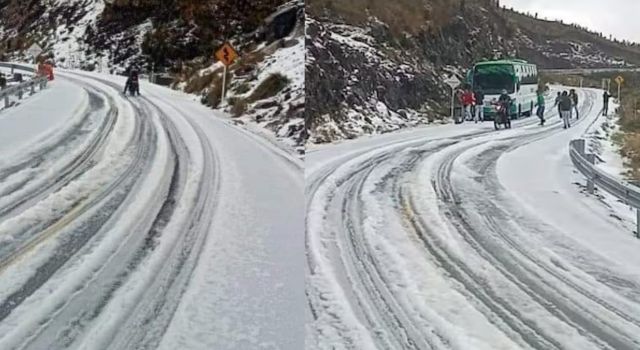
(453, 82)
(227, 55)
(224, 86)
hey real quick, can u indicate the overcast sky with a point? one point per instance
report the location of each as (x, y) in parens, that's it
(617, 17)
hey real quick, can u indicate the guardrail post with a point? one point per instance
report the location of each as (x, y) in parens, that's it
(33, 88)
(638, 223)
(580, 145)
(591, 158)
(6, 101)
(20, 92)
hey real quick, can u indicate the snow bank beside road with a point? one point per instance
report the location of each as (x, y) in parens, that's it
(38, 116)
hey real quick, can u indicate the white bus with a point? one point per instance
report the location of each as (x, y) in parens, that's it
(518, 77)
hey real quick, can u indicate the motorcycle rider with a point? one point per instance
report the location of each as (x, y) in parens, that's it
(504, 102)
(505, 98)
(133, 83)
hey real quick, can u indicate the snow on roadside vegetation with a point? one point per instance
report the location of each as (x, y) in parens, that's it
(601, 142)
(266, 85)
(280, 115)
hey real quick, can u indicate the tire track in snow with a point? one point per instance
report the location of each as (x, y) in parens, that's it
(340, 191)
(65, 326)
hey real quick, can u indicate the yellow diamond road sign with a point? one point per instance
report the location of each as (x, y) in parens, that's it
(227, 54)
(619, 80)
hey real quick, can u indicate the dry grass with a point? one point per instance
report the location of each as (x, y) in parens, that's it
(198, 83)
(242, 89)
(238, 106)
(269, 87)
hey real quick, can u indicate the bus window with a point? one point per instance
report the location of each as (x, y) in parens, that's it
(495, 78)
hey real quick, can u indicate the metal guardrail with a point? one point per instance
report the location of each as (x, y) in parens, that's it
(624, 191)
(20, 89)
(589, 70)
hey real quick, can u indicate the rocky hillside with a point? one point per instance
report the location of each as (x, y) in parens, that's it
(375, 66)
(148, 32)
(176, 39)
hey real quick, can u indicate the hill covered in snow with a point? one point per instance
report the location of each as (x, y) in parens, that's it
(375, 66)
(176, 39)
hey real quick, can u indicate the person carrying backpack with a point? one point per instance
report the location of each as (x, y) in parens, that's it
(565, 109)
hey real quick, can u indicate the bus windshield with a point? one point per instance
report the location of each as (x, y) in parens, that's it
(494, 78)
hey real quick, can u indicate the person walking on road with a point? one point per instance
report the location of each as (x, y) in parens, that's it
(565, 109)
(468, 100)
(540, 110)
(557, 104)
(574, 102)
(479, 97)
(605, 97)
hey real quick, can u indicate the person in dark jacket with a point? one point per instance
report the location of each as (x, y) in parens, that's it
(133, 84)
(541, 105)
(565, 109)
(479, 116)
(574, 102)
(557, 104)
(605, 97)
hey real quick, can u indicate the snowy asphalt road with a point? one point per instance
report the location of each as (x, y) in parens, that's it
(143, 223)
(460, 237)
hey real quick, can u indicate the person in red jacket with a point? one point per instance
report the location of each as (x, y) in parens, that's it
(468, 100)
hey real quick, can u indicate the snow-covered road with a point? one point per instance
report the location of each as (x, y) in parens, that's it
(143, 223)
(461, 237)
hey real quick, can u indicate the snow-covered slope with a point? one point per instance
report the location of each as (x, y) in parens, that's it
(266, 87)
(374, 71)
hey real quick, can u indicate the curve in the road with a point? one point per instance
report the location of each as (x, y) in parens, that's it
(457, 220)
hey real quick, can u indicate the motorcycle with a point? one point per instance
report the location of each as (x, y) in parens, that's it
(502, 116)
(133, 87)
